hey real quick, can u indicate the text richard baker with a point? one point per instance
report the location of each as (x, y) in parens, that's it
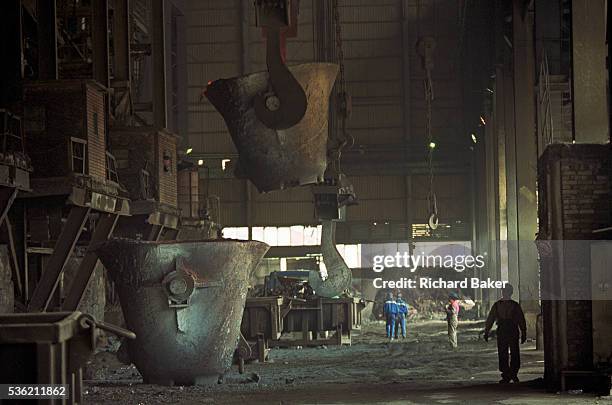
(428, 282)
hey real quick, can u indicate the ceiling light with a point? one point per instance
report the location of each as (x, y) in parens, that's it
(200, 162)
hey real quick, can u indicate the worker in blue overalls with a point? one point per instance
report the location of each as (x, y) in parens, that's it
(390, 311)
(402, 314)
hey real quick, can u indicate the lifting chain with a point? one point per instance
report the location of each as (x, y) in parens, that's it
(425, 48)
(343, 98)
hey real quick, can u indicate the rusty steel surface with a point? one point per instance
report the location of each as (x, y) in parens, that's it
(184, 301)
(339, 275)
(324, 314)
(277, 159)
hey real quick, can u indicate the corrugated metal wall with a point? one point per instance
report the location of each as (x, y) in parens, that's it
(384, 78)
(214, 49)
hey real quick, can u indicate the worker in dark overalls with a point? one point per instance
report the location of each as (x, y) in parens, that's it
(390, 311)
(452, 318)
(402, 313)
(511, 327)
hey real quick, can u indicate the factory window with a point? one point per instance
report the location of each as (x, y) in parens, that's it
(351, 255)
(297, 235)
(236, 233)
(283, 236)
(111, 168)
(312, 235)
(78, 151)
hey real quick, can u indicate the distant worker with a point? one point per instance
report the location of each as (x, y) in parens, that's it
(511, 326)
(402, 313)
(452, 318)
(390, 311)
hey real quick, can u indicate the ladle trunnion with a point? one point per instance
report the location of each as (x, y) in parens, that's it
(184, 301)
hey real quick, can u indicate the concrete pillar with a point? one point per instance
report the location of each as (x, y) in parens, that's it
(526, 163)
(492, 211)
(589, 82)
(502, 134)
(481, 218)
(506, 143)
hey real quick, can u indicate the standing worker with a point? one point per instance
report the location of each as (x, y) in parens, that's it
(452, 318)
(390, 311)
(511, 326)
(402, 313)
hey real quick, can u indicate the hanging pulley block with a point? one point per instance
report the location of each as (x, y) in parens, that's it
(332, 198)
(425, 48)
(273, 13)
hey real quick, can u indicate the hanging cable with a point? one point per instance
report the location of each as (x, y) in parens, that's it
(425, 47)
(344, 139)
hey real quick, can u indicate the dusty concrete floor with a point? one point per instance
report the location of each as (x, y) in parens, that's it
(418, 370)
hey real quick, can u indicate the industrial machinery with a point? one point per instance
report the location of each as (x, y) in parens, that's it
(289, 304)
(272, 158)
(282, 138)
(185, 302)
(272, 322)
(278, 119)
(50, 348)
